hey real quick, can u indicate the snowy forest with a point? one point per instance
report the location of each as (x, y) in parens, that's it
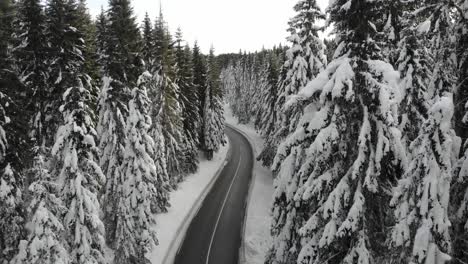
(365, 132)
(363, 114)
(100, 120)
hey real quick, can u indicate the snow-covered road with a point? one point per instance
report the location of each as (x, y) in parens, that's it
(214, 235)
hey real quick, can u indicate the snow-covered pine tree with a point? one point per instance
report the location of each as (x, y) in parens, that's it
(189, 102)
(75, 159)
(11, 198)
(142, 187)
(459, 192)
(413, 62)
(30, 52)
(422, 196)
(101, 40)
(213, 114)
(200, 82)
(334, 170)
(65, 57)
(461, 98)
(305, 59)
(171, 114)
(266, 114)
(153, 82)
(121, 67)
(148, 41)
(46, 241)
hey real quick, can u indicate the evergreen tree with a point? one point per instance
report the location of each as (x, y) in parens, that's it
(266, 115)
(30, 52)
(305, 59)
(65, 56)
(121, 69)
(122, 44)
(135, 235)
(87, 27)
(200, 83)
(213, 114)
(101, 40)
(333, 171)
(79, 176)
(422, 210)
(11, 200)
(189, 102)
(148, 40)
(46, 241)
(171, 114)
(461, 96)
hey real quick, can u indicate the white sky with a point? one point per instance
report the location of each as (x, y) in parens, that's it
(226, 24)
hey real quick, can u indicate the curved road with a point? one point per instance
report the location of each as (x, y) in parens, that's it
(214, 236)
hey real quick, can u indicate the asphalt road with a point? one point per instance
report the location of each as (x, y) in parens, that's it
(214, 236)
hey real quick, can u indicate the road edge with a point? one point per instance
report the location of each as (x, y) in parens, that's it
(242, 258)
(179, 237)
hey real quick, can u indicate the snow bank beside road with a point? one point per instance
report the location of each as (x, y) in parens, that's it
(256, 238)
(185, 201)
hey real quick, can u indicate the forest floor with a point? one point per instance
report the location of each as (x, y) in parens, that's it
(257, 239)
(182, 201)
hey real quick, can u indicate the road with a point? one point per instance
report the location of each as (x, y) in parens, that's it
(214, 236)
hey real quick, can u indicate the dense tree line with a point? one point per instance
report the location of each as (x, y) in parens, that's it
(96, 116)
(365, 133)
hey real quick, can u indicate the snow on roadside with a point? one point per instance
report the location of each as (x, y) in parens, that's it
(182, 200)
(257, 237)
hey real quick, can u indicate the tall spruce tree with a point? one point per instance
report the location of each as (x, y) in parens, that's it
(65, 56)
(305, 59)
(422, 211)
(121, 68)
(333, 171)
(200, 82)
(30, 52)
(459, 192)
(171, 114)
(79, 176)
(11, 198)
(189, 102)
(135, 235)
(213, 114)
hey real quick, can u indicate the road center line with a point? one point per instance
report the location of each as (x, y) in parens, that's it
(222, 208)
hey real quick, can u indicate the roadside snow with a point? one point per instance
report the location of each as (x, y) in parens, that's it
(257, 239)
(182, 200)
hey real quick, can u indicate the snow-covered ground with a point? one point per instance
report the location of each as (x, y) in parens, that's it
(184, 203)
(257, 237)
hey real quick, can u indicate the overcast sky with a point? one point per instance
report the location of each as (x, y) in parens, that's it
(227, 25)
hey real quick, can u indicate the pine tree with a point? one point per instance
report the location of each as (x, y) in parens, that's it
(200, 82)
(79, 176)
(101, 40)
(121, 67)
(305, 59)
(11, 200)
(171, 114)
(148, 40)
(459, 192)
(333, 171)
(213, 114)
(422, 210)
(135, 236)
(122, 44)
(46, 241)
(461, 96)
(30, 52)
(266, 114)
(87, 27)
(189, 102)
(65, 56)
